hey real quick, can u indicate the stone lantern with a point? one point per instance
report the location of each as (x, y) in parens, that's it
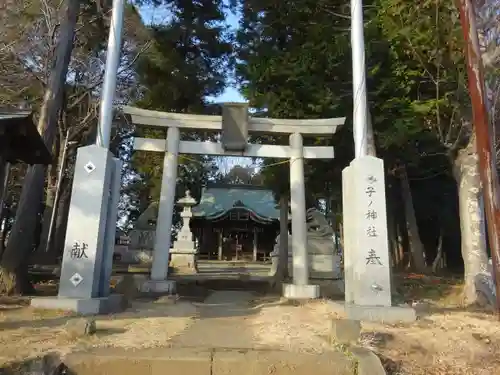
(184, 252)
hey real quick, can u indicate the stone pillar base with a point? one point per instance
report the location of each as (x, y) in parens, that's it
(158, 286)
(294, 291)
(381, 314)
(83, 306)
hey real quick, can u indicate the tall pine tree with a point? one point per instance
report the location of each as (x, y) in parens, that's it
(188, 62)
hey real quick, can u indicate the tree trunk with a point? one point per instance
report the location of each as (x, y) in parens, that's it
(282, 269)
(4, 174)
(466, 173)
(49, 202)
(49, 206)
(14, 262)
(416, 246)
(370, 138)
(403, 245)
(4, 228)
(401, 229)
(51, 256)
(392, 236)
(439, 254)
(61, 221)
(4, 179)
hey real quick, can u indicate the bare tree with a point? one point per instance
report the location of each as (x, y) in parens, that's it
(20, 243)
(30, 36)
(80, 108)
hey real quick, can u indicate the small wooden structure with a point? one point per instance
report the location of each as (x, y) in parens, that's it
(20, 141)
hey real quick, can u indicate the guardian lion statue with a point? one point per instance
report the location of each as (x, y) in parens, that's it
(323, 261)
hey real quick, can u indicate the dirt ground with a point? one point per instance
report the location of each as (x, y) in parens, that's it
(448, 340)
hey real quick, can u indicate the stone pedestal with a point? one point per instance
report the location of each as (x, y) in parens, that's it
(142, 239)
(366, 248)
(84, 285)
(301, 292)
(184, 252)
(324, 263)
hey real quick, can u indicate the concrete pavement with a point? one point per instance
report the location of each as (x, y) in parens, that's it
(192, 361)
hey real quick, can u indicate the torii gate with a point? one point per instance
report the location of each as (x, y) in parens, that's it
(234, 125)
(87, 261)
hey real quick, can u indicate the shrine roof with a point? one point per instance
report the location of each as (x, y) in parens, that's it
(20, 139)
(216, 200)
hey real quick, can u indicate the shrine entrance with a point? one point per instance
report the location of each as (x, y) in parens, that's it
(234, 126)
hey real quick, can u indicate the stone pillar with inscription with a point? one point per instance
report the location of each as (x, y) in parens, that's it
(371, 266)
(184, 252)
(367, 262)
(88, 250)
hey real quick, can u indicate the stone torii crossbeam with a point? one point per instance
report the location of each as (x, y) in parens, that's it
(234, 126)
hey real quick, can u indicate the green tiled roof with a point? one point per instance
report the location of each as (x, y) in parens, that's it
(216, 200)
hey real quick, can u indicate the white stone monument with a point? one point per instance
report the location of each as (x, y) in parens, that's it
(84, 285)
(366, 248)
(184, 252)
(366, 260)
(370, 267)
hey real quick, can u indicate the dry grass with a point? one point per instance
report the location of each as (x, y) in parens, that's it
(301, 328)
(457, 343)
(449, 340)
(25, 332)
(146, 326)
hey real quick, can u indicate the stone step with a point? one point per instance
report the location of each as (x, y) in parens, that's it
(194, 361)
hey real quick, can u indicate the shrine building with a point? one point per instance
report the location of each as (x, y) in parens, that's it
(235, 222)
(230, 222)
